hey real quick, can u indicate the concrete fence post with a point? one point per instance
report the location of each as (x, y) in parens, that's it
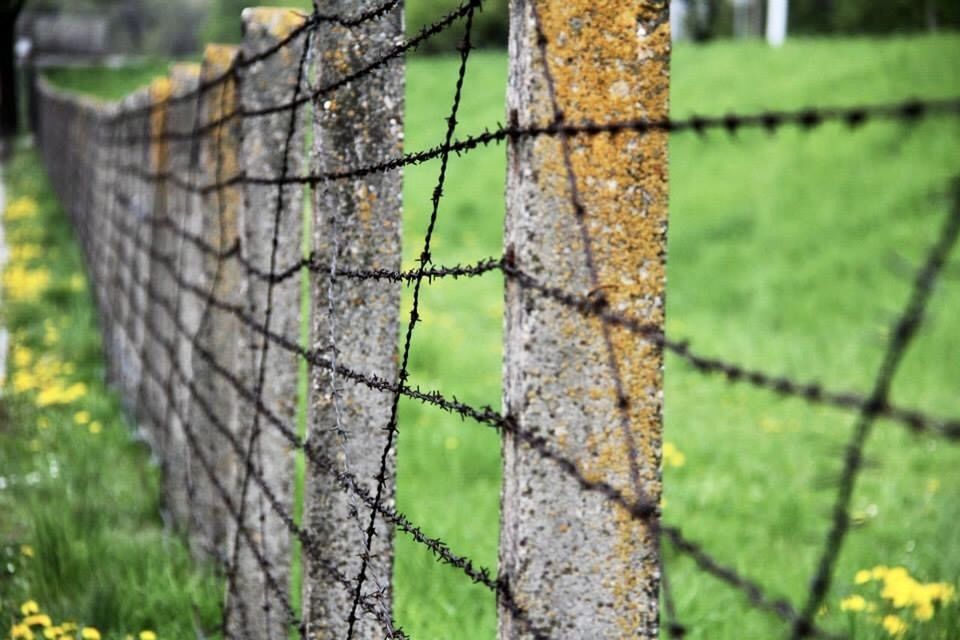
(220, 276)
(587, 215)
(132, 209)
(271, 236)
(97, 224)
(147, 405)
(170, 220)
(357, 226)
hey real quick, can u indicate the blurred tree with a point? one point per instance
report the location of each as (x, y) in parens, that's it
(872, 17)
(9, 10)
(223, 21)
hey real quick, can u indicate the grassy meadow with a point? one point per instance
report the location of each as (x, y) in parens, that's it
(790, 253)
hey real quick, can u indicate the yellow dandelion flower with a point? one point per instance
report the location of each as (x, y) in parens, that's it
(90, 633)
(95, 427)
(56, 393)
(38, 620)
(51, 335)
(24, 252)
(899, 587)
(146, 634)
(23, 284)
(21, 632)
(22, 208)
(69, 626)
(53, 633)
(26, 551)
(923, 611)
(672, 456)
(77, 282)
(29, 607)
(942, 591)
(81, 417)
(894, 625)
(879, 572)
(863, 576)
(24, 381)
(853, 603)
(22, 357)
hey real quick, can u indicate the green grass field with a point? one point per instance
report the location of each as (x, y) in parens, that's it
(791, 253)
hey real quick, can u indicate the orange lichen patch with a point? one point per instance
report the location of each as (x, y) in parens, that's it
(366, 201)
(610, 61)
(160, 90)
(217, 59)
(222, 145)
(279, 22)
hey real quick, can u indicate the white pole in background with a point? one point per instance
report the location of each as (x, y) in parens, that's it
(776, 22)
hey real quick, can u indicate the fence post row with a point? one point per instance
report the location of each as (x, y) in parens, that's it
(587, 215)
(356, 225)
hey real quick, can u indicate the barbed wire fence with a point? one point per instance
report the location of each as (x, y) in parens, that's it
(188, 198)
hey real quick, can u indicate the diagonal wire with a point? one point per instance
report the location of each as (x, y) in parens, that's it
(902, 334)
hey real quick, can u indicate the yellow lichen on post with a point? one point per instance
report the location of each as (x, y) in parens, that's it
(160, 90)
(586, 214)
(610, 61)
(222, 104)
(278, 21)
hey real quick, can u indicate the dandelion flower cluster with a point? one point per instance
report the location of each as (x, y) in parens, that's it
(36, 625)
(899, 593)
(23, 284)
(22, 208)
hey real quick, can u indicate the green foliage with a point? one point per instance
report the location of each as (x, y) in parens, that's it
(869, 16)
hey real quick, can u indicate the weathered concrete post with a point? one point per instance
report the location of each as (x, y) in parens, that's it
(130, 213)
(271, 233)
(587, 215)
(357, 225)
(153, 153)
(169, 220)
(100, 228)
(147, 408)
(218, 329)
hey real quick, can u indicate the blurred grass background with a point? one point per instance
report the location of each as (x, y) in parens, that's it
(791, 253)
